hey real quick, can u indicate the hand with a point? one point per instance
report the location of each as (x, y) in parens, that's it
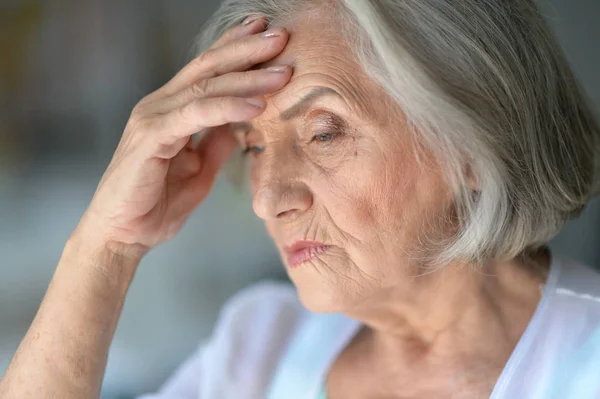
(158, 176)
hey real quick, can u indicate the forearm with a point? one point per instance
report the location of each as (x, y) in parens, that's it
(64, 353)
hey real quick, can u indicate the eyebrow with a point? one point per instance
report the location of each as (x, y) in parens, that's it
(295, 109)
(301, 106)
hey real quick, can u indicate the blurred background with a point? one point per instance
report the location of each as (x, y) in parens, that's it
(70, 73)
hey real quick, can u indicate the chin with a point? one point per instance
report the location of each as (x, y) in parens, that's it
(317, 295)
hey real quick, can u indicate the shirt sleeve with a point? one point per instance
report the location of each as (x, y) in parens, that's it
(238, 359)
(185, 383)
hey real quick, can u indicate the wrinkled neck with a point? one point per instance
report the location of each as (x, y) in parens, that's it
(461, 309)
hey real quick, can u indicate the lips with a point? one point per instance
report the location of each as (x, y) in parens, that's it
(303, 251)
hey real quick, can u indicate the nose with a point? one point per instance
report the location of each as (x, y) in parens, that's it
(280, 195)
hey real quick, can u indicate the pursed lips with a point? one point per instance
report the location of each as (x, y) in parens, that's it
(302, 251)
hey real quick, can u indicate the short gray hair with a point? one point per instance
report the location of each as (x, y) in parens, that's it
(482, 83)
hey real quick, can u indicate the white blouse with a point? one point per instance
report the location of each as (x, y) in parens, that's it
(266, 345)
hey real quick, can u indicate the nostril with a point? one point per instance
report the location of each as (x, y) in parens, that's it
(287, 213)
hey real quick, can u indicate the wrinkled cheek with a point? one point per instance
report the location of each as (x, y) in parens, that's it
(352, 209)
(380, 206)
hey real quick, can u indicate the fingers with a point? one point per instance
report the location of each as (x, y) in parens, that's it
(214, 150)
(236, 84)
(198, 115)
(185, 164)
(235, 56)
(251, 25)
(243, 54)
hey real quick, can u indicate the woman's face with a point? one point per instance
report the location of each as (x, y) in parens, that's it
(333, 164)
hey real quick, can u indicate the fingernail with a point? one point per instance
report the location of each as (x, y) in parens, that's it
(256, 102)
(273, 33)
(250, 19)
(278, 69)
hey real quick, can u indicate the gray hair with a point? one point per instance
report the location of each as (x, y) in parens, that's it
(482, 83)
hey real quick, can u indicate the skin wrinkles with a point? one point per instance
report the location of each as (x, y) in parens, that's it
(438, 335)
(367, 195)
(298, 108)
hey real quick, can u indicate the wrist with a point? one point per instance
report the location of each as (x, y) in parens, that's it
(94, 245)
(116, 262)
(90, 236)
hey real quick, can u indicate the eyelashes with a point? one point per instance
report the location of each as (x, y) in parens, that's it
(317, 139)
(329, 126)
(253, 149)
(324, 137)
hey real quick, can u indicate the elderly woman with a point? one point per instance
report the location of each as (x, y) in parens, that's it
(410, 159)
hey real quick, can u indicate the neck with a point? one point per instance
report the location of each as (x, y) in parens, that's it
(461, 311)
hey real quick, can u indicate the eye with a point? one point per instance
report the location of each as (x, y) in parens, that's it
(324, 137)
(253, 149)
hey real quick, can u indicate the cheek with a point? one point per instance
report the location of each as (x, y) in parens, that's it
(367, 190)
(383, 199)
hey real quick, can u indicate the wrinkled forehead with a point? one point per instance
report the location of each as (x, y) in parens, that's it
(312, 37)
(320, 56)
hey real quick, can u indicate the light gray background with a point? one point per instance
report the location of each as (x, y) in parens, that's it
(85, 66)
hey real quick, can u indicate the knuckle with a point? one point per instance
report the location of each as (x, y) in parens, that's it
(201, 88)
(221, 108)
(253, 55)
(138, 112)
(225, 104)
(241, 46)
(229, 34)
(148, 98)
(134, 123)
(138, 131)
(187, 111)
(204, 58)
(145, 125)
